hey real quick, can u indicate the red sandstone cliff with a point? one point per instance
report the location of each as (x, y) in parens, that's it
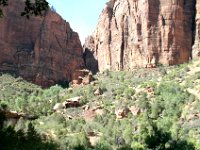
(89, 55)
(143, 33)
(196, 47)
(42, 49)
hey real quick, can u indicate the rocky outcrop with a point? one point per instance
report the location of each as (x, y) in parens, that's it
(143, 33)
(7, 114)
(121, 113)
(69, 103)
(82, 77)
(44, 50)
(90, 113)
(196, 47)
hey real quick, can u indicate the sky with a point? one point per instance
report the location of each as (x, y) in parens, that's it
(81, 14)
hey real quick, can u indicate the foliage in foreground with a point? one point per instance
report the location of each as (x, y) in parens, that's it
(10, 139)
(168, 118)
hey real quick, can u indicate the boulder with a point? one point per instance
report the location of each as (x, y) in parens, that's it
(85, 107)
(91, 113)
(82, 77)
(94, 137)
(9, 114)
(98, 92)
(58, 107)
(135, 110)
(72, 102)
(121, 113)
(88, 79)
(77, 81)
(80, 73)
(149, 90)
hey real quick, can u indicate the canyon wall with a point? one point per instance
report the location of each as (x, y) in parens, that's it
(44, 50)
(196, 47)
(89, 55)
(144, 33)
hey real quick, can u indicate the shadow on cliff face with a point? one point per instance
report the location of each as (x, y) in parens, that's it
(194, 22)
(90, 61)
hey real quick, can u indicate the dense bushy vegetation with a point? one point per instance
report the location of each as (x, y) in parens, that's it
(167, 116)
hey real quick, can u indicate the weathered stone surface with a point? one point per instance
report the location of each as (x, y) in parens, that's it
(121, 113)
(58, 107)
(135, 110)
(82, 77)
(98, 91)
(43, 50)
(196, 47)
(72, 102)
(143, 33)
(16, 115)
(91, 113)
(90, 55)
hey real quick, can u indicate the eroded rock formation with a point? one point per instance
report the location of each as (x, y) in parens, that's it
(89, 55)
(196, 47)
(43, 50)
(143, 33)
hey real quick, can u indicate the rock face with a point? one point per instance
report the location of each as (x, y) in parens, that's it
(196, 48)
(143, 33)
(43, 50)
(89, 55)
(82, 77)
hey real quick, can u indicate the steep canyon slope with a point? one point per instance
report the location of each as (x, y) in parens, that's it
(43, 50)
(196, 47)
(144, 33)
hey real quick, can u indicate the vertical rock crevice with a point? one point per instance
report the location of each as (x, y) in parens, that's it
(89, 55)
(196, 31)
(144, 33)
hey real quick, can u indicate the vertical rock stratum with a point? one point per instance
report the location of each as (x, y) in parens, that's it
(43, 50)
(144, 33)
(196, 47)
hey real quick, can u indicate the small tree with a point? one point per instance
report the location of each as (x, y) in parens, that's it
(31, 8)
(53, 9)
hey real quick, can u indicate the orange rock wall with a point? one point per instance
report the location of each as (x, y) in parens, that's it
(144, 33)
(43, 50)
(196, 47)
